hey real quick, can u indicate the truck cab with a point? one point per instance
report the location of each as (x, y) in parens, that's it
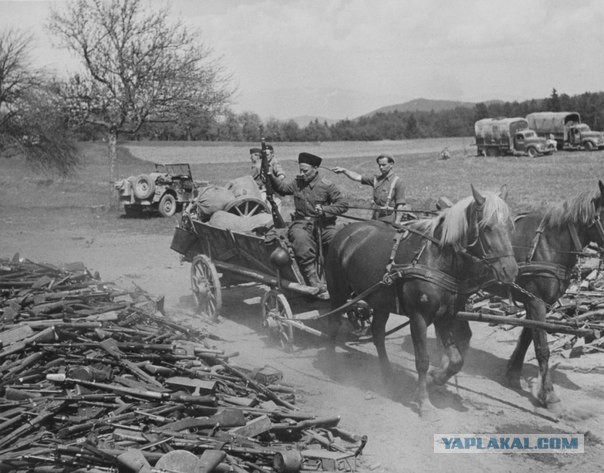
(527, 141)
(582, 136)
(567, 130)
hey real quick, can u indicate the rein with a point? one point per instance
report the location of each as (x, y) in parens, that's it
(546, 269)
(415, 270)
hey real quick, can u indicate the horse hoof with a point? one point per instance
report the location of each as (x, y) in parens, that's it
(435, 378)
(555, 407)
(513, 379)
(551, 401)
(428, 412)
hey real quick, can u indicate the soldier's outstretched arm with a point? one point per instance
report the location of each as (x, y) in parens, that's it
(355, 176)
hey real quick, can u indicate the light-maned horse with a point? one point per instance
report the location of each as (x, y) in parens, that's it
(546, 245)
(435, 264)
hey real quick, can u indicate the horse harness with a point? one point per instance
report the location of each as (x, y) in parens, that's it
(554, 270)
(415, 270)
(546, 269)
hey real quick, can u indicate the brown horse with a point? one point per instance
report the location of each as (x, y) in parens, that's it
(546, 246)
(433, 266)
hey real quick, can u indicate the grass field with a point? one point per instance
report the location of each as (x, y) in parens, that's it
(532, 183)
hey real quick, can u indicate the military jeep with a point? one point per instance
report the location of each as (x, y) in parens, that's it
(166, 190)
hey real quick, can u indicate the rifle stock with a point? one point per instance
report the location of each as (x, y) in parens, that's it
(277, 218)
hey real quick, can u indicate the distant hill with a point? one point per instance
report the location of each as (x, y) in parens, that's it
(422, 105)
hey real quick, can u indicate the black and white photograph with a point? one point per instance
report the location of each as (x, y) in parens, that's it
(289, 236)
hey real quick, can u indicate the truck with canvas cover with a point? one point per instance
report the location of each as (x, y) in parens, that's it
(503, 136)
(566, 128)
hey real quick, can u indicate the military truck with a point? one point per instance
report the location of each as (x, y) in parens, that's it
(505, 136)
(566, 128)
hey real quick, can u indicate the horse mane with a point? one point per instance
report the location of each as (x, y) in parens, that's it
(578, 210)
(453, 221)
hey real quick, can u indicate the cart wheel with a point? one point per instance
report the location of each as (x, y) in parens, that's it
(246, 207)
(275, 308)
(206, 286)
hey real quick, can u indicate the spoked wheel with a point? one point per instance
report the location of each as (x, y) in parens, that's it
(246, 206)
(275, 309)
(205, 284)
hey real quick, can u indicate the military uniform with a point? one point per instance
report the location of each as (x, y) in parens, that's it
(388, 192)
(274, 167)
(307, 195)
(309, 223)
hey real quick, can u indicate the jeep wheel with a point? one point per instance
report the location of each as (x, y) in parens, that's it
(532, 152)
(167, 205)
(589, 146)
(143, 187)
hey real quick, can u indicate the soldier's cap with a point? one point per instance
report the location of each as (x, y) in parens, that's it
(269, 147)
(255, 151)
(307, 158)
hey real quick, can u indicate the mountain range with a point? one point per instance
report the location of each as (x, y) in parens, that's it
(416, 105)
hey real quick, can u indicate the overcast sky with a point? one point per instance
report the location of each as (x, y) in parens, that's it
(344, 58)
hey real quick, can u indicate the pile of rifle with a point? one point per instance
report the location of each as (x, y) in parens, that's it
(575, 322)
(96, 378)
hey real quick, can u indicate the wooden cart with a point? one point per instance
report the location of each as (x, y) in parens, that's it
(221, 257)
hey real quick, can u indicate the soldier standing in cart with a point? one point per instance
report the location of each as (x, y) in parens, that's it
(318, 202)
(388, 190)
(274, 166)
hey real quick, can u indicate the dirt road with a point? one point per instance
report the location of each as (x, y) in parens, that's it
(478, 401)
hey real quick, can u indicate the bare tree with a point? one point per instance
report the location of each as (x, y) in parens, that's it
(31, 115)
(139, 67)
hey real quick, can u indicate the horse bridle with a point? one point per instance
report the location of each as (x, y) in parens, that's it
(597, 222)
(488, 258)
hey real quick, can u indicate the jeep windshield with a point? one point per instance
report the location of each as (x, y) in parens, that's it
(174, 169)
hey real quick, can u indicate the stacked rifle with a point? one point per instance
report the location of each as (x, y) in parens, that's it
(97, 378)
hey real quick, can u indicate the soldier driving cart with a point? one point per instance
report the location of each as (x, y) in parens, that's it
(318, 202)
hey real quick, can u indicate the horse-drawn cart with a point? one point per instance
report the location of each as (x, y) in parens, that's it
(222, 257)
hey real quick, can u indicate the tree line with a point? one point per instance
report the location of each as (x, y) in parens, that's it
(395, 125)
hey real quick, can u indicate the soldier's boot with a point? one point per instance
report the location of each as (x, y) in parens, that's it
(310, 271)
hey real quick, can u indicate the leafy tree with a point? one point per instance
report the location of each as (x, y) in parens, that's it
(251, 126)
(229, 128)
(32, 118)
(273, 130)
(554, 101)
(138, 67)
(291, 131)
(411, 129)
(480, 111)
